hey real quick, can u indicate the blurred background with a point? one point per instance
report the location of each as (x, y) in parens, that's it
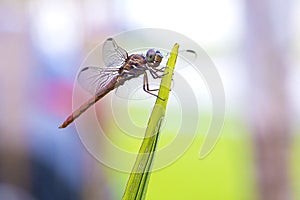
(255, 46)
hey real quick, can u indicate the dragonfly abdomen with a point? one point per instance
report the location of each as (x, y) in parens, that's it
(109, 87)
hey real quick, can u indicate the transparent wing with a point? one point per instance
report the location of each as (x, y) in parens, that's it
(92, 78)
(132, 89)
(185, 58)
(112, 54)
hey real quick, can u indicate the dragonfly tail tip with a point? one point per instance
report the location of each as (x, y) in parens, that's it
(62, 126)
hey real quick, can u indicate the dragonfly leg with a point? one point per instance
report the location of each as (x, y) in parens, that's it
(147, 89)
(155, 75)
(159, 70)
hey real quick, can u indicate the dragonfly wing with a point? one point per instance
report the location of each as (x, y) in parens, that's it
(92, 78)
(113, 55)
(132, 89)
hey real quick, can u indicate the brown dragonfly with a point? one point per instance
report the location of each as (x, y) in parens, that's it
(119, 68)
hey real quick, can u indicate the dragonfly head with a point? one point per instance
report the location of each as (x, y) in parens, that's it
(153, 57)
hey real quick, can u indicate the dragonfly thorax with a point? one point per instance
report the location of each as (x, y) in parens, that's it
(134, 61)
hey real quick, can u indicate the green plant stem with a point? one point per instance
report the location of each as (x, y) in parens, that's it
(137, 184)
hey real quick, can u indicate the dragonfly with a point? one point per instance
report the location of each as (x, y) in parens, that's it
(119, 68)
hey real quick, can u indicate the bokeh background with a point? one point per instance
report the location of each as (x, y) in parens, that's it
(255, 46)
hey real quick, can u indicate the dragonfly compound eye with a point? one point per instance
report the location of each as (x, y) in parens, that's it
(158, 57)
(150, 55)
